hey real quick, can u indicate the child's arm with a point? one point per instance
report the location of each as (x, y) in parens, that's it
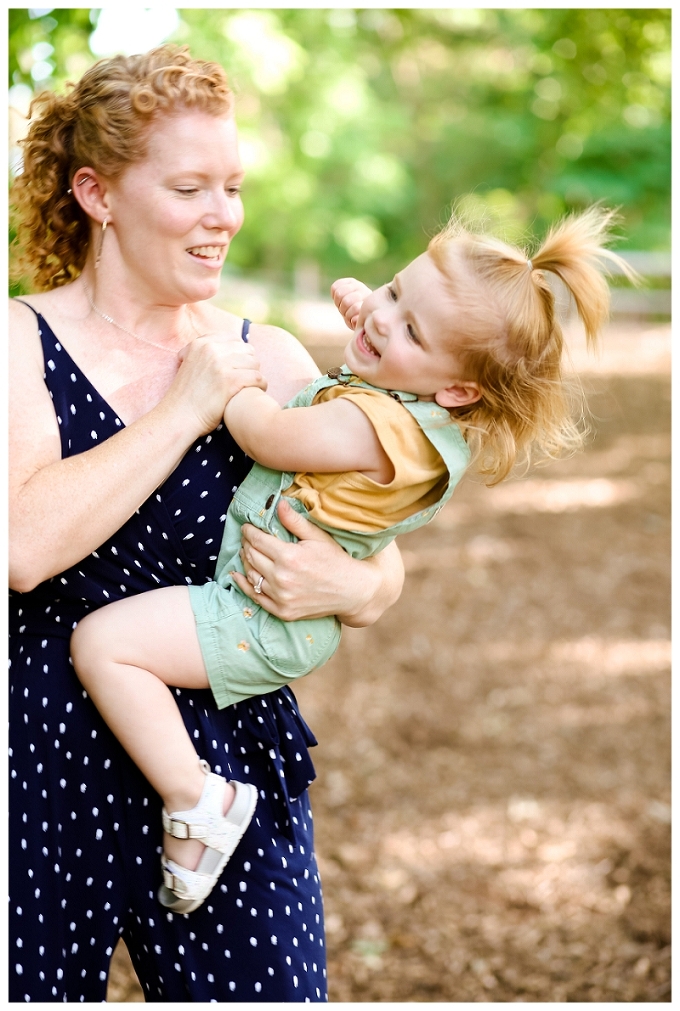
(326, 438)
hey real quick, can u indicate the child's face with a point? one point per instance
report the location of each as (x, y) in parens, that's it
(403, 340)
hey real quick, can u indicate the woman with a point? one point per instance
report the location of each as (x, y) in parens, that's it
(121, 475)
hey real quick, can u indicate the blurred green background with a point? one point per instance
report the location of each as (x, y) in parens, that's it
(360, 128)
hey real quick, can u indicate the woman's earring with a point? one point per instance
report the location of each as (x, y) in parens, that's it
(101, 243)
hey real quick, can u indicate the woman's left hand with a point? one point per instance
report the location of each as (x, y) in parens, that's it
(315, 577)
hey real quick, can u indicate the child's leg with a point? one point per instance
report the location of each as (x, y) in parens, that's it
(126, 654)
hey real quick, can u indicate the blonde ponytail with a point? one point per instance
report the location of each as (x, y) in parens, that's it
(576, 251)
(509, 340)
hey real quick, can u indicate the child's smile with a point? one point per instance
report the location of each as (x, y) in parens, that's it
(364, 344)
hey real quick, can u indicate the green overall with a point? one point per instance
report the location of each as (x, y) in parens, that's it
(248, 651)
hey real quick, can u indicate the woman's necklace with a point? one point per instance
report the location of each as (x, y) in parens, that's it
(144, 340)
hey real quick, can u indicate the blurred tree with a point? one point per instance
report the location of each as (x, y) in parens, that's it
(359, 128)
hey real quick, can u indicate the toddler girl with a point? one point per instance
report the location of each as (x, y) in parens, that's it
(458, 360)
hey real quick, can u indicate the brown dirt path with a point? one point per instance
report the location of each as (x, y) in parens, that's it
(492, 808)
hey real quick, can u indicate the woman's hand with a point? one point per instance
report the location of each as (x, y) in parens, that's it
(348, 295)
(315, 577)
(213, 370)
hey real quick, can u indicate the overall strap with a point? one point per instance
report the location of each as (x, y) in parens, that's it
(245, 330)
(341, 377)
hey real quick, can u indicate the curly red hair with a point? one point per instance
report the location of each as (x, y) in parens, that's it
(102, 121)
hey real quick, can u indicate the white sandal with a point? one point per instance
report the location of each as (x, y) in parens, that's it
(184, 890)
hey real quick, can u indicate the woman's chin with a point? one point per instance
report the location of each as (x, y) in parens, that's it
(198, 291)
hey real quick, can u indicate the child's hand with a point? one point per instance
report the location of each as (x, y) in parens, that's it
(348, 295)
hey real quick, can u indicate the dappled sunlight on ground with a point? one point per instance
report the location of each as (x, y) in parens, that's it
(562, 496)
(493, 802)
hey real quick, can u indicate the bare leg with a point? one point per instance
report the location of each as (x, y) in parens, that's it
(126, 655)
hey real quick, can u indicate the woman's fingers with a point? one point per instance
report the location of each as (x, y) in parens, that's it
(315, 576)
(257, 564)
(213, 369)
(296, 523)
(263, 551)
(246, 587)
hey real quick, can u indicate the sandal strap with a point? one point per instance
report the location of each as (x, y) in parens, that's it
(173, 882)
(207, 823)
(185, 883)
(181, 829)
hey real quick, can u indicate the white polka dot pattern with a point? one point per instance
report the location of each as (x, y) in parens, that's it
(85, 825)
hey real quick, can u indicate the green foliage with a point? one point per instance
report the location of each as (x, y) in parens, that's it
(63, 36)
(360, 128)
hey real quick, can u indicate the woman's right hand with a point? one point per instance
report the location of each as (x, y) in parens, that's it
(213, 369)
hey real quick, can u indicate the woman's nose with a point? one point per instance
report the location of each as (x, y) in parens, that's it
(226, 213)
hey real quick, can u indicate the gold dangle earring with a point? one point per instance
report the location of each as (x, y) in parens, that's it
(101, 243)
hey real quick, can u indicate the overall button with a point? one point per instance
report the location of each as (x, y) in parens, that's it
(270, 501)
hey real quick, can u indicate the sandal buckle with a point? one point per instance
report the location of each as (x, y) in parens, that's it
(174, 883)
(183, 829)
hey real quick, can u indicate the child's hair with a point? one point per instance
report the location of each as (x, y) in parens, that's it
(103, 121)
(509, 339)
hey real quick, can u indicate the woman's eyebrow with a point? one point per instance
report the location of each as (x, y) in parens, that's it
(234, 177)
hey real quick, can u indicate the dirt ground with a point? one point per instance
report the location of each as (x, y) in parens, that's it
(492, 806)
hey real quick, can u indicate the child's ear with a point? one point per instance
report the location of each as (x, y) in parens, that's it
(458, 395)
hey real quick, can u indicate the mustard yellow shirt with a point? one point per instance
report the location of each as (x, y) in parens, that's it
(353, 501)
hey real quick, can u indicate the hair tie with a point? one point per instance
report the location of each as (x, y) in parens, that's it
(530, 265)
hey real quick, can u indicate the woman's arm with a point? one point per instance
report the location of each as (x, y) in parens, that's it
(61, 510)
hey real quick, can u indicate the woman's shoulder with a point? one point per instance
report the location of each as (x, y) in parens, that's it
(23, 329)
(286, 363)
(278, 340)
(282, 356)
(21, 312)
(50, 304)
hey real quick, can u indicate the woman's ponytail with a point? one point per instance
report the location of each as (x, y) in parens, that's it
(52, 229)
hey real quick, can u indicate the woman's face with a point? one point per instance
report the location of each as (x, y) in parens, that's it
(174, 214)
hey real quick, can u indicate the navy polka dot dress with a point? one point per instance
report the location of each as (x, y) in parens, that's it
(85, 826)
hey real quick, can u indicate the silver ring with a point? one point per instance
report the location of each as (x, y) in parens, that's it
(258, 585)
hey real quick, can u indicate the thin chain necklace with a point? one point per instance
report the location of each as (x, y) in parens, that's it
(144, 340)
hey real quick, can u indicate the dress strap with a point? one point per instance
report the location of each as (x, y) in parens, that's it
(29, 306)
(245, 330)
